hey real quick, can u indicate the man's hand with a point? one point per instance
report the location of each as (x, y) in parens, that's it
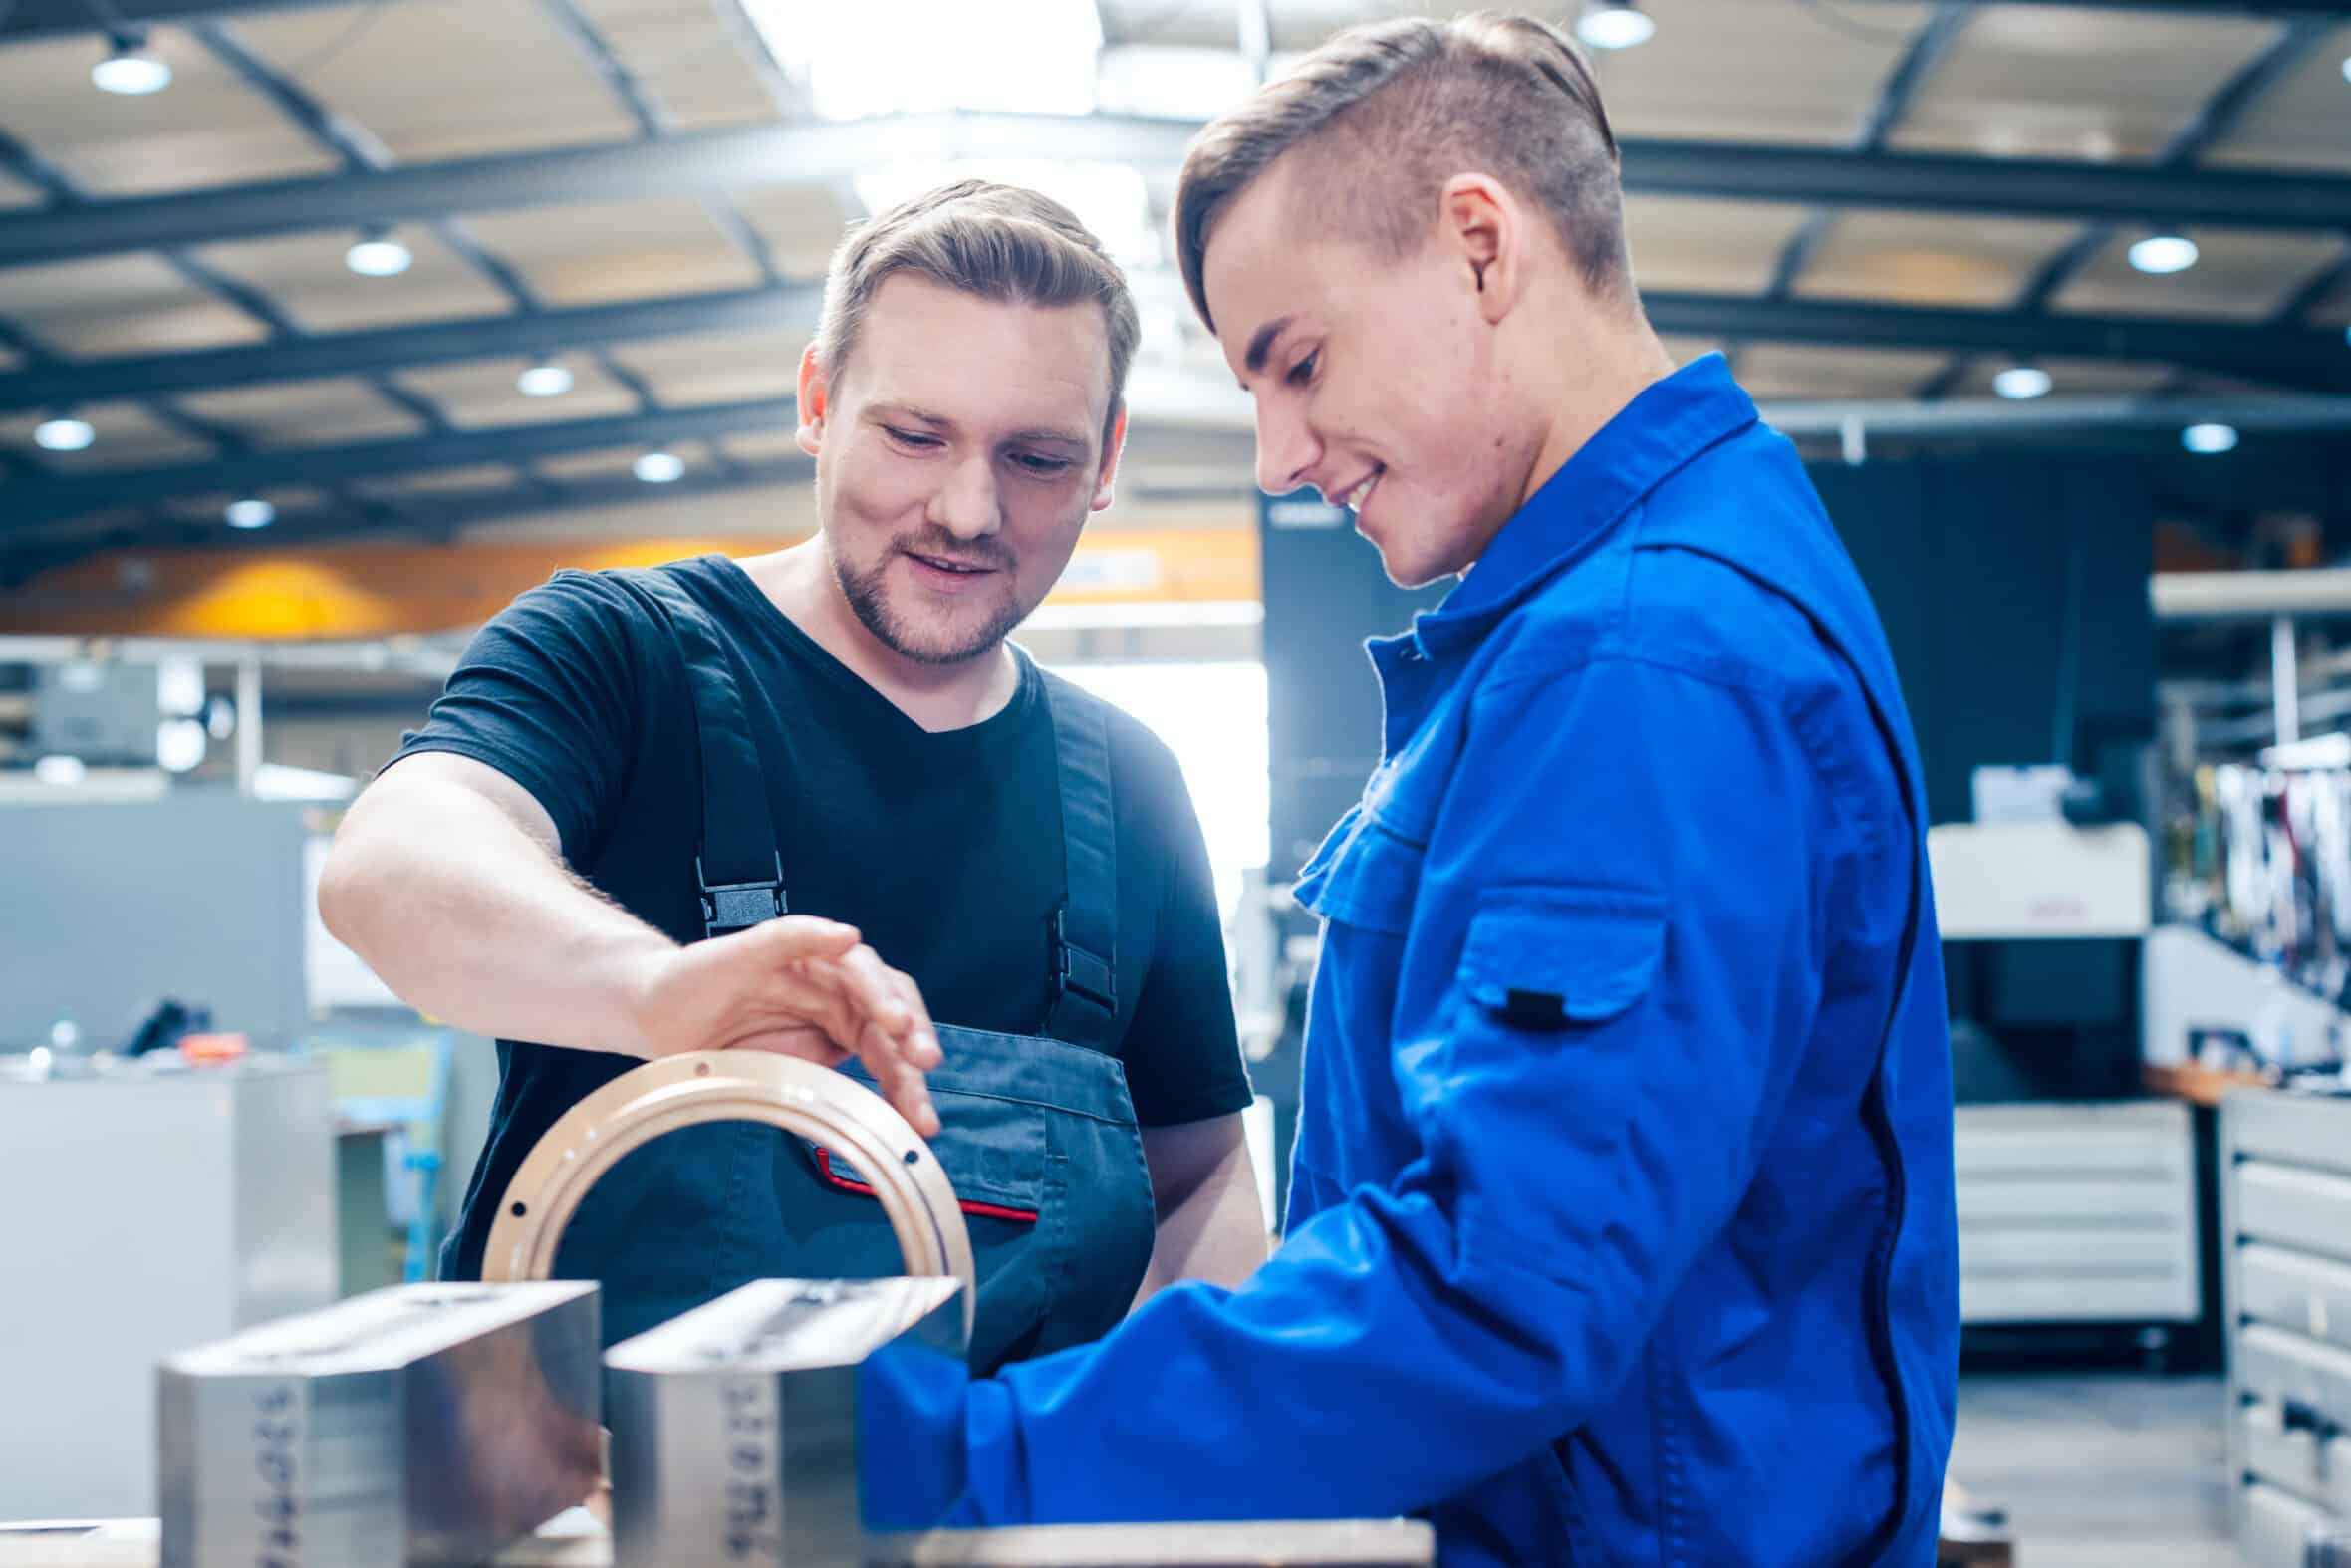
(798, 985)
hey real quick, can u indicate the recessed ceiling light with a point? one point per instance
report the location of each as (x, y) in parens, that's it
(2162, 253)
(2209, 439)
(63, 434)
(2023, 382)
(660, 467)
(544, 379)
(379, 256)
(250, 513)
(128, 70)
(1615, 24)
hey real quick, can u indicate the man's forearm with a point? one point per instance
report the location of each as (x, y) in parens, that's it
(478, 923)
(1213, 1229)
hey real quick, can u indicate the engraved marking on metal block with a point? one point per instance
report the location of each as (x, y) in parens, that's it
(674, 1092)
(734, 1425)
(423, 1424)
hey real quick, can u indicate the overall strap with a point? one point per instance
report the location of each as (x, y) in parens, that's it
(737, 866)
(1085, 1007)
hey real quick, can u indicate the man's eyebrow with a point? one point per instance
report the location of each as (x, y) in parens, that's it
(1263, 345)
(1046, 435)
(906, 410)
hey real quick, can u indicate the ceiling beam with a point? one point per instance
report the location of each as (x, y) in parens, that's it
(731, 159)
(1220, 449)
(2309, 358)
(534, 336)
(31, 19)
(1211, 434)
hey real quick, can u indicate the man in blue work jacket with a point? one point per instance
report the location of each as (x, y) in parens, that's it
(1622, 1226)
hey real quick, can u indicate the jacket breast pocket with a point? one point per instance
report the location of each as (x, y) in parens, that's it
(1557, 957)
(1366, 879)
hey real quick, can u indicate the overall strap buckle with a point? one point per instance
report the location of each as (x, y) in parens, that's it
(1076, 969)
(738, 905)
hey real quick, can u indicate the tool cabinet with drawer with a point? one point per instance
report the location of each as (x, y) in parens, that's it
(2285, 1164)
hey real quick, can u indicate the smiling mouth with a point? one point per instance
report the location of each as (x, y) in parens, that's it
(940, 563)
(1353, 496)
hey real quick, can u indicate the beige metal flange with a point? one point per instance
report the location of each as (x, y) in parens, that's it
(674, 1092)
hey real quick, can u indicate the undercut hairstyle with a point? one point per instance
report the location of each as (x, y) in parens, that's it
(998, 242)
(1381, 116)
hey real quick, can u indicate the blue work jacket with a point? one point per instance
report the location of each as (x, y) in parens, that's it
(1621, 1224)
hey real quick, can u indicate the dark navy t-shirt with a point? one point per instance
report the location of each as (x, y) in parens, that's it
(944, 850)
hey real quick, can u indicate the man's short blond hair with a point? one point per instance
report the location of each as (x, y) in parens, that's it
(1385, 114)
(998, 242)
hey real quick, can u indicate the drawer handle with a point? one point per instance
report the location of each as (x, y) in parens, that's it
(2299, 1416)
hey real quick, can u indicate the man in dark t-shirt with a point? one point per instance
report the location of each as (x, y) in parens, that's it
(960, 836)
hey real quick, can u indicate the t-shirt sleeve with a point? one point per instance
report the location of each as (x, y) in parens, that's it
(547, 693)
(1182, 1051)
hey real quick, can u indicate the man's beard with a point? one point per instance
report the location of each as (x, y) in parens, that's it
(924, 645)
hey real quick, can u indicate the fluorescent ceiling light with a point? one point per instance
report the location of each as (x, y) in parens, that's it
(2162, 253)
(1614, 25)
(2023, 382)
(250, 513)
(2209, 439)
(179, 744)
(544, 379)
(63, 434)
(61, 769)
(1171, 82)
(131, 72)
(379, 256)
(883, 57)
(1109, 199)
(659, 468)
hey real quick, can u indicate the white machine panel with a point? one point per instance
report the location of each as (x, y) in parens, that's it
(2001, 880)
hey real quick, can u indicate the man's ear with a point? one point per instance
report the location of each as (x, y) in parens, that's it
(1110, 459)
(1484, 223)
(815, 394)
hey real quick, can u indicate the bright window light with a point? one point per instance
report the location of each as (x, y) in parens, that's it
(2023, 382)
(1213, 716)
(2347, 68)
(379, 256)
(659, 468)
(1167, 80)
(2162, 253)
(251, 512)
(1614, 25)
(544, 379)
(2209, 439)
(1109, 199)
(64, 435)
(883, 57)
(131, 71)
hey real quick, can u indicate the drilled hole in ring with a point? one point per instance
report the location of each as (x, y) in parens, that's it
(701, 1069)
(519, 1209)
(914, 1156)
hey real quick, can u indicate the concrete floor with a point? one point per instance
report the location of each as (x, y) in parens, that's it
(2100, 1470)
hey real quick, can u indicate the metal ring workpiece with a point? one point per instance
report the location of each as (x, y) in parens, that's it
(674, 1092)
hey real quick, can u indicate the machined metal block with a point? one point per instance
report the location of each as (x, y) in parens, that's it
(735, 1427)
(418, 1427)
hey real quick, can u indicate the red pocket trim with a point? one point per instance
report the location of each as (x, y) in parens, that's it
(824, 1165)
